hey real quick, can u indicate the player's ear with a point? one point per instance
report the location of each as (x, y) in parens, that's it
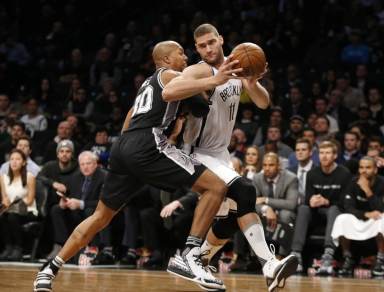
(166, 59)
(221, 40)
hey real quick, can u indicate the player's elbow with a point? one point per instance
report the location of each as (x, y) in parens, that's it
(263, 104)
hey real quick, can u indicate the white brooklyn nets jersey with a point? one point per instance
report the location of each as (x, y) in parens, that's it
(213, 133)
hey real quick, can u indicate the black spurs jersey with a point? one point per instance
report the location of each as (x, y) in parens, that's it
(150, 110)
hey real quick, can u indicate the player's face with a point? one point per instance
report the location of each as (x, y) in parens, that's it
(327, 156)
(209, 46)
(178, 60)
(367, 168)
(270, 167)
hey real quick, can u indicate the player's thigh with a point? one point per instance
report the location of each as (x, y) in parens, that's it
(219, 166)
(170, 171)
(209, 181)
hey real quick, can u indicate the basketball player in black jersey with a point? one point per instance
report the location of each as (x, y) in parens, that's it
(142, 155)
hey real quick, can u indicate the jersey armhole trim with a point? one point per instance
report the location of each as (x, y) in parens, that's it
(159, 77)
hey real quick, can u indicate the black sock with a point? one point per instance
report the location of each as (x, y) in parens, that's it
(56, 264)
(192, 241)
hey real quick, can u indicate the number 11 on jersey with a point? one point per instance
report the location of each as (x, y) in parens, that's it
(232, 111)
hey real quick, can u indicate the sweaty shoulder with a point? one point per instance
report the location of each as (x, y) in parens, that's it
(198, 71)
(168, 74)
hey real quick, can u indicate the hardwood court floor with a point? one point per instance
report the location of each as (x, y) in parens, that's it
(19, 279)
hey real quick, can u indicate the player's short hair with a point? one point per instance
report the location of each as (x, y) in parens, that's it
(328, 144)
(203, 29)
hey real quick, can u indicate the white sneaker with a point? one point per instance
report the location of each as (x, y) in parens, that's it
(189, 266)
(43, 281)
(277, 271)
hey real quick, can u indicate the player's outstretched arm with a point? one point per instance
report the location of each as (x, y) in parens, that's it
(198, 78)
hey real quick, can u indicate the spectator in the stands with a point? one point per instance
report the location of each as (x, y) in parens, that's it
(310, 135)
(321, 109)
(81, 105)
(55, 174)
(352, 97)
(100, 146)
(252, 162)
(276, 120)
(80, 200)
(364, 205)
(296, 104)
(247, 122)
(326, 186)
(64, 132)
(17, 130)
(375, 105)
(296, 126)
(337, 111)
(23, 144)
(33, 120)
(274, 137)
(18, 196)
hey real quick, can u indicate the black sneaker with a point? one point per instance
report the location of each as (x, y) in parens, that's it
(129, 260)
(155, 261)
(347, 268)
(104, 258)
(16, 254)
(189, 266)
(44, 279)
(326, 267)
(6, 252)
(378, 269)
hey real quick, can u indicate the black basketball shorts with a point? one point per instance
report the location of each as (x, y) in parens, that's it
(144, 157)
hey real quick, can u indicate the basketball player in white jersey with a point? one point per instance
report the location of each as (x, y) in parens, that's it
(208, 139)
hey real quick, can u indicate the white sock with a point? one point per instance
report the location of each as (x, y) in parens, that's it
(256, 239)
(208, 250)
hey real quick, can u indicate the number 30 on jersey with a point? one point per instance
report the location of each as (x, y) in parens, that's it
(143, 102)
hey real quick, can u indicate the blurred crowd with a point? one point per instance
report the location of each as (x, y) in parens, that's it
(69, 74)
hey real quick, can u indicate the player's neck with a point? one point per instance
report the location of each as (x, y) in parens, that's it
(218, 63)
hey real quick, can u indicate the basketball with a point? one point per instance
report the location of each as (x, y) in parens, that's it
(251, 58)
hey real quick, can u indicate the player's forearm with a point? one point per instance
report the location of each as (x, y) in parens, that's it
(179, 89)
(258, 94)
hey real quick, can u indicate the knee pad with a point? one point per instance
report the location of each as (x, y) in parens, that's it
(244, 193)
(225, 228)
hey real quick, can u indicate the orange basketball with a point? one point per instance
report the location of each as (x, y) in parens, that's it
(251, 58)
